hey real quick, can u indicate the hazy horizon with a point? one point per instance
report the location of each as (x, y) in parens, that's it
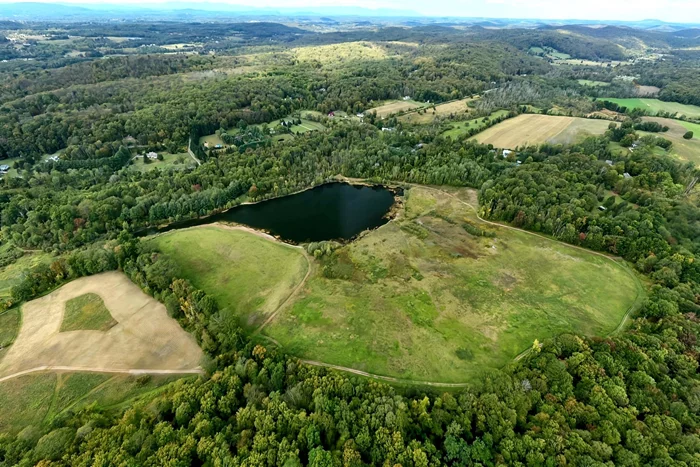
(678, 11)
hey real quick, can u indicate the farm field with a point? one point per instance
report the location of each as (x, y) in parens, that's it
(449, 108)
(393, 107)
(248, 274)
(422, 299)
(531, 129)
(145, 337)
(655, 105)
(683, 149)
(37, 399)
(328, 54)
(457, 129)
(593, 84)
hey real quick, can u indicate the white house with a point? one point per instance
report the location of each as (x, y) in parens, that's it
(152, 155)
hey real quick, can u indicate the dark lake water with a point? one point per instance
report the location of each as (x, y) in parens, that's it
(333, 211)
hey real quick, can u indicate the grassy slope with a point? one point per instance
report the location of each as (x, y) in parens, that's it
(458, 129)
(37, 399)
(249, 276)
(169, 160)
(655, 105)
(428, 301)
(87, 312)
(11, 274)
(682, 149)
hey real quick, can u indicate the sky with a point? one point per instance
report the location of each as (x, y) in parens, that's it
(686, 11)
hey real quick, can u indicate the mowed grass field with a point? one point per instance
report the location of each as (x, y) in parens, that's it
(249, 275)
(422, 299)
(533, 129)
(449, 108)
(177, 161)
(37, 399)
(457, 129)
(655, 105)
(393, 107)
(686, 150)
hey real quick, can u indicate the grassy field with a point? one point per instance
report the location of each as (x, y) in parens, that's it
(593, 84)
(393, 107)
(420, 298)
(12, 273)
(35, 400)
(682, 149)
(654, 105)
(249, 275)
(531, 129)
(178, 161)
(449, 108)
(457, 129)
(87, 312)
(10, 322)
(333, 53)
(144, 338)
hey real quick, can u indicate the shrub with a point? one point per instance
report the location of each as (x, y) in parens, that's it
(688, 135)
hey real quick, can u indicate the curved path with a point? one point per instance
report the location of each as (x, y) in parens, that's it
(193, 371)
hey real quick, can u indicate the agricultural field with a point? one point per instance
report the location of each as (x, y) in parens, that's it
(394, 107)
(438, 295)
(144, 336)
(428, 115)
(593, 84)
(457, 129)
(178, 161)
(654, 106)
(343, 52)
(87, 313)
(531, 129)
(682, 149)
(36, 399)
(234, 265)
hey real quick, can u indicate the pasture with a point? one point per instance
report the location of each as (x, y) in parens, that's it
(37, 399)
(457, 129)
(428, 115)
(249, 274)
(654, 106)
(532, 129)
(394, 107)
(421, 298)
(593, 84)
(144, 336)
(682, 149)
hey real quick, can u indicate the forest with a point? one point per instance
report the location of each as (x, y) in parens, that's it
(72, 128)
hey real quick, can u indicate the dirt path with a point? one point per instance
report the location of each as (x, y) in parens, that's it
(193, 371)
(389, 379)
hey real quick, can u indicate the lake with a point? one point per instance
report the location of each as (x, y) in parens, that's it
(334, 211)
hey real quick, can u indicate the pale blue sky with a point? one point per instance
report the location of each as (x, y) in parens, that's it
(667, 10)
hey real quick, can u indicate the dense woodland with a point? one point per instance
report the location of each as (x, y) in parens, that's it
(629, 399)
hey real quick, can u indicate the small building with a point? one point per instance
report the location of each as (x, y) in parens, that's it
(602, 208)
(407, 98)
(387, 129)
(219, 146)
(506, 153)
(626, 175)
(609, 162)
(360, 115)
(152, 155)
(4, 168)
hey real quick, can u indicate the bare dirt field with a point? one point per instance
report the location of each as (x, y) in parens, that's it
(531, 129)
(145, 338)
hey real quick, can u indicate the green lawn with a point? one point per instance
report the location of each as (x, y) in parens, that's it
(248, 275)
(178, 161)
(654, 105)
(457, 129)
(420, 298)
(87, 312)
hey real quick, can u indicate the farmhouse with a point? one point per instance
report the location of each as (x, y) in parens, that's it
(4, 168)
(152, 155)
(506, 153)
(626, 175)
(609, 162)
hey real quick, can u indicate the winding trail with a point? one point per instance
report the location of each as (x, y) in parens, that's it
(39, 369)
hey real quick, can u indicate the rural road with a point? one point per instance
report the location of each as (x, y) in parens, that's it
(193, 371)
